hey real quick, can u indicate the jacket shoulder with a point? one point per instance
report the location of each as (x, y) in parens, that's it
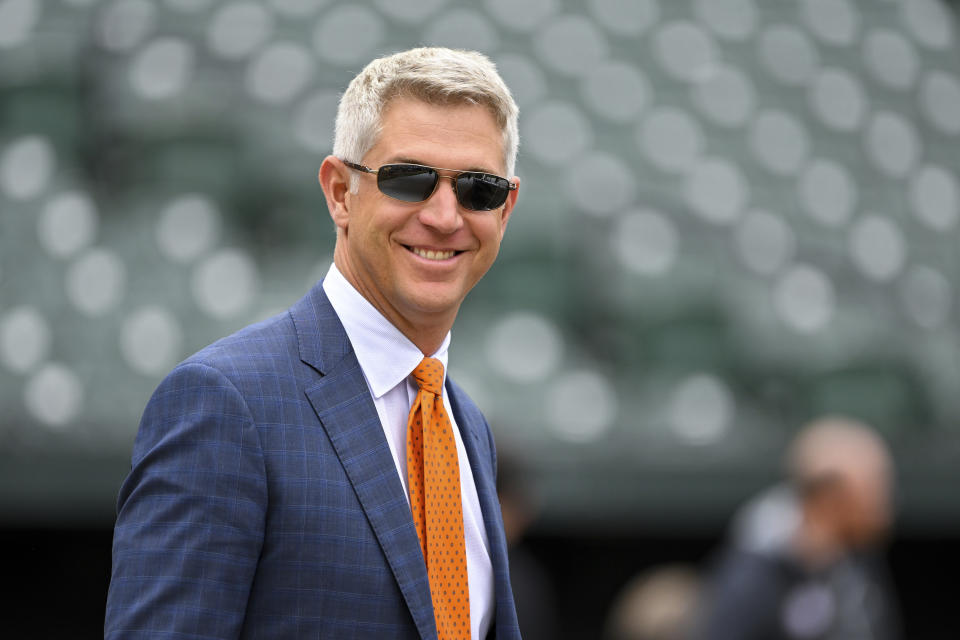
(255, 345)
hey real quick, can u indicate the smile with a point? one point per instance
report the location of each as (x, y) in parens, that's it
(430, 254)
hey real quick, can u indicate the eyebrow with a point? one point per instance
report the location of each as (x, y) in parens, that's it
(408, 160)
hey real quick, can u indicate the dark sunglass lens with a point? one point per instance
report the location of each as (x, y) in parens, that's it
(407, 182)
(482, 191)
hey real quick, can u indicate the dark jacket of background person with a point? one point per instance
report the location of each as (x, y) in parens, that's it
(533, 589)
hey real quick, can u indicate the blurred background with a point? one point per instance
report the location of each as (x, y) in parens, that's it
(735, 215)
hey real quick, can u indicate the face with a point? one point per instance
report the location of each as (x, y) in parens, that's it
(416, 262)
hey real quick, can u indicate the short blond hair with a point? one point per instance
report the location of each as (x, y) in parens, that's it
(435, 75)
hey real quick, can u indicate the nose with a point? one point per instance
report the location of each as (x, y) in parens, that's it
(441, 210)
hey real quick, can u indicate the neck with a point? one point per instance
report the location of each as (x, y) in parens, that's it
(427, 338)
(425, 330)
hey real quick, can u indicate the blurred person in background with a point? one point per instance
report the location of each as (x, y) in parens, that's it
(317, 475)
(533, 589)
(802, 562)
(657, 604)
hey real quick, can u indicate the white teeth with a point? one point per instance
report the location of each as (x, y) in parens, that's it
(433, 255)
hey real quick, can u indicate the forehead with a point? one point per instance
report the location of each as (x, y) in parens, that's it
(457, 136)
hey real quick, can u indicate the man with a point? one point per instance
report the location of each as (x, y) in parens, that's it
(315, 475)
(799, 566)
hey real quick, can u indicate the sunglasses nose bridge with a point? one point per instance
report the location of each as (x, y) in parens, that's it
(453, 182)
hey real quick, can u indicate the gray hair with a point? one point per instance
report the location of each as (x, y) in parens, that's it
(435, 75)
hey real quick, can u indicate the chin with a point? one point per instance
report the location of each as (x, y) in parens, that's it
(437, 297)
(434, 303)
(434, 307)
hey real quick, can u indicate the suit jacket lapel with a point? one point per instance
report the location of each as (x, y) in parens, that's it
(473, 431)
(480, 461)
(343, 404)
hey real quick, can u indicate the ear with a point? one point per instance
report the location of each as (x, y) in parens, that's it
(334, 179)
(509, 205)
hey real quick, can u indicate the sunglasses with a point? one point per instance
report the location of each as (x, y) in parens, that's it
(476, 191)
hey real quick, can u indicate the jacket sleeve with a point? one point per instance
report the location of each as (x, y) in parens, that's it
(190, 515)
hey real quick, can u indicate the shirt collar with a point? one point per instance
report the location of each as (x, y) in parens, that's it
(386, 356)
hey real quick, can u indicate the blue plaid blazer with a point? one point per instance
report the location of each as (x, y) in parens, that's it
(263, 501)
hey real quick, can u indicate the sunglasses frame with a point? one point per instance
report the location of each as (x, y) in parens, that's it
(511, 186)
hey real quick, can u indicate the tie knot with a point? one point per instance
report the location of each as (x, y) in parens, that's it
(429, 375)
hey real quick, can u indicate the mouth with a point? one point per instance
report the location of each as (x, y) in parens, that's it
(433, 254)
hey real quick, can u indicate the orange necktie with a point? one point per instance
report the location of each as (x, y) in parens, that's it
(433, 473)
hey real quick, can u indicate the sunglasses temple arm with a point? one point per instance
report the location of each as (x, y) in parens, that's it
(358, 167)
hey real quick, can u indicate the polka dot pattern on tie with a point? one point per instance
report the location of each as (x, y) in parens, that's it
(433, 471)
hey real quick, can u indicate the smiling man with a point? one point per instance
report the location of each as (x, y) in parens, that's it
(318, 475)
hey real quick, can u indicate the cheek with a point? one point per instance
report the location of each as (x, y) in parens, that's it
(489, 232)
(371, 227)
(880, 511)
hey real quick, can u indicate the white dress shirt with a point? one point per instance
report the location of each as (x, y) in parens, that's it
(387, 359)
